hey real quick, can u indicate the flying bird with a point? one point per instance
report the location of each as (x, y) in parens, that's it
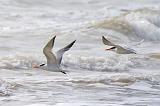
(117, 48)
(54, 60)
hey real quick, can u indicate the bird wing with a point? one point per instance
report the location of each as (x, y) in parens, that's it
(47, 50)
(107, 42)
(59, 53)
(125, 50)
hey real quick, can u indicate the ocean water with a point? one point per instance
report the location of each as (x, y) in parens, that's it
(94, 77)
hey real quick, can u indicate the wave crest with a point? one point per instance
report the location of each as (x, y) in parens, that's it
(138, 24)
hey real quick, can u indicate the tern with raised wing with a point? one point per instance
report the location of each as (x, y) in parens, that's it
(54, 60)
(116, 48)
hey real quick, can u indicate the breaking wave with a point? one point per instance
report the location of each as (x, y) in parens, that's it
(137, 24)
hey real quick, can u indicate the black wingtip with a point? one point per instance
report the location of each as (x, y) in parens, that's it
(54, 36)
(103, 37)
(53, 40)
(73, 42)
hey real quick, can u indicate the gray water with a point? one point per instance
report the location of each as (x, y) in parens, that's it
(95, 77)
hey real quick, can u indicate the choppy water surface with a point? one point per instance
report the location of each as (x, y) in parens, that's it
(94, 77)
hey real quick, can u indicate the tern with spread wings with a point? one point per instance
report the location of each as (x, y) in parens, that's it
(54, 60)
(116, 48)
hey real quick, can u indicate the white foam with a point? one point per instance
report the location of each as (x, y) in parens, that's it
(5, 88)
(142, 27)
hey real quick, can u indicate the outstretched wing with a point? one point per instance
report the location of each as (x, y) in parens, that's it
(125, 50)
(47, 50)
(59, 53)
(107, 42)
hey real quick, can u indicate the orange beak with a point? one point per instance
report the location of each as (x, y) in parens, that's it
(35, 66)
